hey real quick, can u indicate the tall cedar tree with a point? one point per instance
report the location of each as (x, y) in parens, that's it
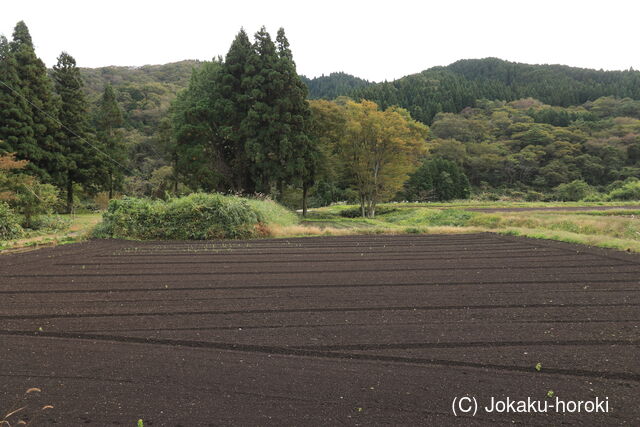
(264, 133)
(81, 160)
(231, 106)
(16, 125)
(108, 123)
(301, 152)
(43, 152)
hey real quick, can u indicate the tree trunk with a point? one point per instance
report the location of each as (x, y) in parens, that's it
(304, 200)
(69, 193)
(110, 185)
(280, 190)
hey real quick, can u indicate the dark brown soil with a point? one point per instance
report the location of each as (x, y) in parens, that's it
(358, 330)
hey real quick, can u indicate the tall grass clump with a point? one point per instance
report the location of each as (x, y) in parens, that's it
(270, 212)
(9, 223)
(198, 216)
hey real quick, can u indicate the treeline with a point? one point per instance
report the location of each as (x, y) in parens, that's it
(459, 85)
(529, 149)
(333, 85)
(46, 123)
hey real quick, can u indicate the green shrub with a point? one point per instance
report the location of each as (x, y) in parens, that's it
(50, 223)
(9, 223)
(195, 217)
(437, 179)
(357, 212)
(573, 191)
(630, 190)
(270, 212)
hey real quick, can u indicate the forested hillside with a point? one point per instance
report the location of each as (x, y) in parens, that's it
(144, 93)
(459, 85)
(333, 85)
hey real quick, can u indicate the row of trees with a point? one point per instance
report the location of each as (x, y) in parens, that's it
(242, 125)
(45, 120)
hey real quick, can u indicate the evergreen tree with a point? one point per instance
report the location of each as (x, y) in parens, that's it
(197, 156)
(264, 142)
(43, 152)
(108, 122)
(231, 106)
(437, 180)
(16, 125)
(301, 153)
(81, 160)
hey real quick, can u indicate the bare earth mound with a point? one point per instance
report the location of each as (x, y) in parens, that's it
(331, 330)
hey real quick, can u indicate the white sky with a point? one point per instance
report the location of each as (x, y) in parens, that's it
(376, 40)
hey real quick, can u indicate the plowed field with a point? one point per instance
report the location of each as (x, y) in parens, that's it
(355, 330)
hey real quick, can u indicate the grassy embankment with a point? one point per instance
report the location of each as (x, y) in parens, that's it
(77, 227)
(619, 228)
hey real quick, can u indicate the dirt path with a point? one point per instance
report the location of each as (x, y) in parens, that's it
(356, 330)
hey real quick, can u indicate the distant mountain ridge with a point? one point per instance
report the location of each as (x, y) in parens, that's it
(448, 88)
(461, 84)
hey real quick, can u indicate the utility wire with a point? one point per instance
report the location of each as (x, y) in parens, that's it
(65, 127)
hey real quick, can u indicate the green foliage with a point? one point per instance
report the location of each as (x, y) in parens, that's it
(109, 122)
(357, 212)
(334, 85)
(34, 198)
(9, 223)
(463, 83)
(81, 161)
(198, 216)
(630, 190)
(16, 123)
(270, 212)
(198, 159)
(377, 150)
(50, 223)
(437, 180)
(30, 127)
(242, 125)
(573, 191)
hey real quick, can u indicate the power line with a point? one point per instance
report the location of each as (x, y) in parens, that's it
(65, 127)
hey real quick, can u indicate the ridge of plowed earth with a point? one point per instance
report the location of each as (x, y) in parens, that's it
(355, 330)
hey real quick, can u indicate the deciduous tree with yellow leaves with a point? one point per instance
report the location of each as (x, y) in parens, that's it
(379, 149)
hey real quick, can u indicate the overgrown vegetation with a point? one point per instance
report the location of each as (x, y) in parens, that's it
(617, 228)
(198, 216)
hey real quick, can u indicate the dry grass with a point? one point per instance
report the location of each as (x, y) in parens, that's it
(17, 414)
(569, 237)
(311, 230)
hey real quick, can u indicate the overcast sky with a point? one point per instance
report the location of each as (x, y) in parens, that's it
(376, 40)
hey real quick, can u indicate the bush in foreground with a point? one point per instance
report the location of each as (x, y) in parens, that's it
(9, 223)
(195, 217)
